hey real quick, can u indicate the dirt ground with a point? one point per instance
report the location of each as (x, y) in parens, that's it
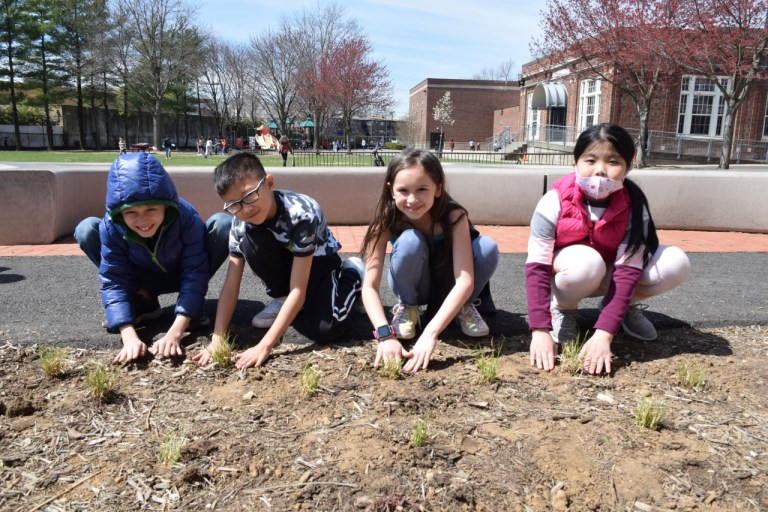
(528, 442)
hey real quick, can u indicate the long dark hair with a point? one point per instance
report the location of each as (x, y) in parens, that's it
(389, 219)
(625, 145)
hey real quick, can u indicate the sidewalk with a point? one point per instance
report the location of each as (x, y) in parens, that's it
(511, 240)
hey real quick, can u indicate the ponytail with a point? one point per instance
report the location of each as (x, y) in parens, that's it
(636, 235)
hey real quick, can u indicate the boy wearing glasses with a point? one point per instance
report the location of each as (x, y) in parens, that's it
(284, 238)
(151, 242)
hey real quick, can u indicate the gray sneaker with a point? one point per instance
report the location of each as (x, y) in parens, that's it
(266, 317)
(637, 325)
(565, 325)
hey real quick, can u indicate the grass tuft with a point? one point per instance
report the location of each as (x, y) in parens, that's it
(420, 431)
(571, 362)
(488, 363)
(52, 360)
(101, 381)
(390, 368)
(222, 354)
(170, 450)
(649, 413)
(690, 375)
(310, 380)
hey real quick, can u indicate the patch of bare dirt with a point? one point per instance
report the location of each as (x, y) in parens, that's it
(530, 441)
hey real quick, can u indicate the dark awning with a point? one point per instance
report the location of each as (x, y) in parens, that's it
(549, 95)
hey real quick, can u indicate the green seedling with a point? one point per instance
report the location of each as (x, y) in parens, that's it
(222, 354)
(310, 380)
(420, 431)
(102, 382)
(488, 363)
(649, 413)
(52, 360)
(690, 375)
(571, 360)
(170, 450)
(390, 368)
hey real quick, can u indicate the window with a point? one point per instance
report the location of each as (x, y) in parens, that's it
(702, 106)
(765, 122)
(534, 120)
(589, 103)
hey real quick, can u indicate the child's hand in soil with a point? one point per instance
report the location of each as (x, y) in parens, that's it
(543, 350)
(167, 346)
(133, 348)
(254, 356)
(597, 353)
(203, 358)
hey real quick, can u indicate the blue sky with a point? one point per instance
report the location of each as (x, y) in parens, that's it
(415, 39)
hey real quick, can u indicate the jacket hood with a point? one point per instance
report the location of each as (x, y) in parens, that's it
(139, 179)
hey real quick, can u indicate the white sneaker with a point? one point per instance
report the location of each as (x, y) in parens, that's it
(470, 321)
(266, 317)
(356, 264)
(405, 319)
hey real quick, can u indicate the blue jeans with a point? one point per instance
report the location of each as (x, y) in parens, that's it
(411, 274)
(216, 239)
(168, 152)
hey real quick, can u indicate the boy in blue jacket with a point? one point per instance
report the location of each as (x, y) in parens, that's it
(151, 242)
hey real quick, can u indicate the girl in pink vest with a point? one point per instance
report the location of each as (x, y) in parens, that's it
(593, 235)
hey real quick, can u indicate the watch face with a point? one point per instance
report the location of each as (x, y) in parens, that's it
(384, 331)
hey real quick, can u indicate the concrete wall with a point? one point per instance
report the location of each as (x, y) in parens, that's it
(40, 206)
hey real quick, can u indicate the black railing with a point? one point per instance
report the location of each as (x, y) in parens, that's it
(311, 158)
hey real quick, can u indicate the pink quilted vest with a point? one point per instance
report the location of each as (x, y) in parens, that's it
(575, 226)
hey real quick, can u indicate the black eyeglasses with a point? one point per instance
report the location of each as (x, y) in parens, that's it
(249, 198)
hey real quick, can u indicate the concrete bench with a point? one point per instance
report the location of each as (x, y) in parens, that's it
(40, 206)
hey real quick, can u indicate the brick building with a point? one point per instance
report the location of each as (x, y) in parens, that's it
(474, 103)
(558, 103)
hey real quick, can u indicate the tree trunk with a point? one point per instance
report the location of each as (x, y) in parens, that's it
(105, 104)
(156, 113)
(642, 137)
(14, 104)
(725, 155)
(80, 109)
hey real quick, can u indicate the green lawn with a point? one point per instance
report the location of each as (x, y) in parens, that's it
(107, 157)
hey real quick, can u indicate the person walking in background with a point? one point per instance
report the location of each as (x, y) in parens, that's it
(285, 148)
(208, 147)
(438, 259)
(121, 146)
(593, 235)
(167, 147)
(452, 144)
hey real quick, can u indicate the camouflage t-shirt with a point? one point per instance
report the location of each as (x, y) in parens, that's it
(299, 225)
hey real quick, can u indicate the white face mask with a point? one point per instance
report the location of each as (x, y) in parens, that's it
(598, 187)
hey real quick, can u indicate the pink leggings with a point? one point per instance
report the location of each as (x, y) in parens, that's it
(581, 272)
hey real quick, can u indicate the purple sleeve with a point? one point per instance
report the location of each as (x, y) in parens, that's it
(538, 277)
(617, 298)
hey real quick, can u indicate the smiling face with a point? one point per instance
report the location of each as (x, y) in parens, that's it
(414, 193)
(601, 159)
(260, 211)
(145, 220)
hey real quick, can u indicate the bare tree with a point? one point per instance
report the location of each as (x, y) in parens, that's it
(319, 29)
(164, 41)
(275, 58)
(502, 72)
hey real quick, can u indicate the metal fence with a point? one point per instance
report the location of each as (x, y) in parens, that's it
(660, 144)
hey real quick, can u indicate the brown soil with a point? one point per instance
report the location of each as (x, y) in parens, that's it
(530, 441)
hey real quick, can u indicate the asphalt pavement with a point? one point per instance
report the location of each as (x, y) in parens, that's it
(55, 300)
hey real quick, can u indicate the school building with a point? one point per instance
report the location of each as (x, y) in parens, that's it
(549, 106)
(474, 104)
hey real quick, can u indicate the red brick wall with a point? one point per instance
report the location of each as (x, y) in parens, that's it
(474, 103)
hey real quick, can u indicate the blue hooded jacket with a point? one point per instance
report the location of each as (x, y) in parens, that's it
(135, 180)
